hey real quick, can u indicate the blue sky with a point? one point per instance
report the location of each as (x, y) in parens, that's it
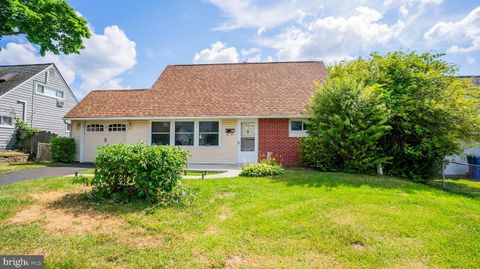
(133, 41)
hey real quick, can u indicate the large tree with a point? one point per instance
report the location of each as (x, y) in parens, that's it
(431, 112)
(51, 24)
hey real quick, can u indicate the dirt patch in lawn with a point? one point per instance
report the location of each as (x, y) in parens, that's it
(225, 213)
(66, 213)
(52, 208)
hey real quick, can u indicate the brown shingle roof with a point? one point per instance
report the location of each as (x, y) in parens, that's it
(211, 90)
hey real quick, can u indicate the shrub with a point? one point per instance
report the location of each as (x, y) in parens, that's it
(23, 133)
(348, 120)
(263, 168)
(138, 171)
(430, 113)
(63, 149)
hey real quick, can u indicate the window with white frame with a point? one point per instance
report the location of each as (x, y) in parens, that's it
(184, 133)
(95, 128)
(117, 127)
(161, 133)
(45, 90)
(6, 121)
(68, 127)
(298, 128)
(208, 133)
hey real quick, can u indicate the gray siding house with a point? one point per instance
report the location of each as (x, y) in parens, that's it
(36, 94)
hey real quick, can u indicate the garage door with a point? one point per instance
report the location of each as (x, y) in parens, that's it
(97, 135)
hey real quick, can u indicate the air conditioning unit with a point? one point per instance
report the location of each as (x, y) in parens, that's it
(60, 103)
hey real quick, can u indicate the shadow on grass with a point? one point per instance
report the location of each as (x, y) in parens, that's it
(330, 180)
(458, 186)
(79, 203)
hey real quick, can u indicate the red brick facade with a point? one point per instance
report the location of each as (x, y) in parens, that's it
(273, 137)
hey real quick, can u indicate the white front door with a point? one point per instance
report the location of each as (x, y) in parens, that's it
(247, 141)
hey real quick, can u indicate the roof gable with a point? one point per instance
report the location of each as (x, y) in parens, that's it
(22, 74)
(213, 90)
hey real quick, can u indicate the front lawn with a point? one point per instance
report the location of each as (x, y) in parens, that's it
(10, 167)
(302, 219)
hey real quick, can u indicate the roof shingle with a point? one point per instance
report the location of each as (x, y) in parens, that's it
(211, 90)
(22, 73)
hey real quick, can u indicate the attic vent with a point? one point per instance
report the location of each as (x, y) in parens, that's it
(7, 77)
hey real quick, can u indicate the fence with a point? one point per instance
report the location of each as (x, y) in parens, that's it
(31, 145)
(453, 170)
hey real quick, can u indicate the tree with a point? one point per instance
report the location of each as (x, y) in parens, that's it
(51, 24)
(431, 111)
(348, 120)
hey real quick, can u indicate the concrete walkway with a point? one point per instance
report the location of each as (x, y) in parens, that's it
(228, 173)
(232, 170)
(18, 176)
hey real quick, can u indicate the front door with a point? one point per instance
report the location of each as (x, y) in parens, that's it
(247, 141)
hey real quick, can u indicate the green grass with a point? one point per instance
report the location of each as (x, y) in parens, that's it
(10, 167)
(88, 171)
(303, 219)
(8, 153)
(199, 173)
(189, 173)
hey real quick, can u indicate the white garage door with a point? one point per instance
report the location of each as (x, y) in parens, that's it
(97, 135)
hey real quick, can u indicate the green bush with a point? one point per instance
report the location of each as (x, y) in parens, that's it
(432, 112)
(263, 168)
(138, 171)
(63, 149)
(348, 120)
(23, 133)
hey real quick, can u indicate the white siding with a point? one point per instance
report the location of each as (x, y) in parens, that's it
(139, 131)
(226, 153)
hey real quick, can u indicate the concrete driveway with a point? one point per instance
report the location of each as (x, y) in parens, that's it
(17, 176)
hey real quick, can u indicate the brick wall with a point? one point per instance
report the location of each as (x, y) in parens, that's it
(273, 137)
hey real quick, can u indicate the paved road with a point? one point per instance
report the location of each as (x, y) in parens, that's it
(17, 176)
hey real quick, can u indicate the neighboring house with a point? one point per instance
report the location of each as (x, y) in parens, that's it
(455, 170)
(36, 94)
(221, 113)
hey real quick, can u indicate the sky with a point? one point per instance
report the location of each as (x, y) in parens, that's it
(133, 41)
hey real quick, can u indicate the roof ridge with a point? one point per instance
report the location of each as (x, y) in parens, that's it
(13, 65)
(123, 90)
(245, 63)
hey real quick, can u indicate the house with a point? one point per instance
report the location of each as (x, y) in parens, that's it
(221, 113)
(36, 94)
(453, 169)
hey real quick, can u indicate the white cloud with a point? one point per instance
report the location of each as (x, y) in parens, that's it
(26, 53)
(333, 38)
(221, 53)
(249, 13)
(250, 51)
(218, 53)
(105, 57)
(464, 34)
(471, 60)
(261, 30)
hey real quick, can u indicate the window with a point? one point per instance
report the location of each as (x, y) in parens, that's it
(298, 128)
(6, 121)
(209, 133)
(95, 128)
(161, 133)
(68, 127)
(117, 127)
(42, 89)
(184, 133)
(247, 136)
